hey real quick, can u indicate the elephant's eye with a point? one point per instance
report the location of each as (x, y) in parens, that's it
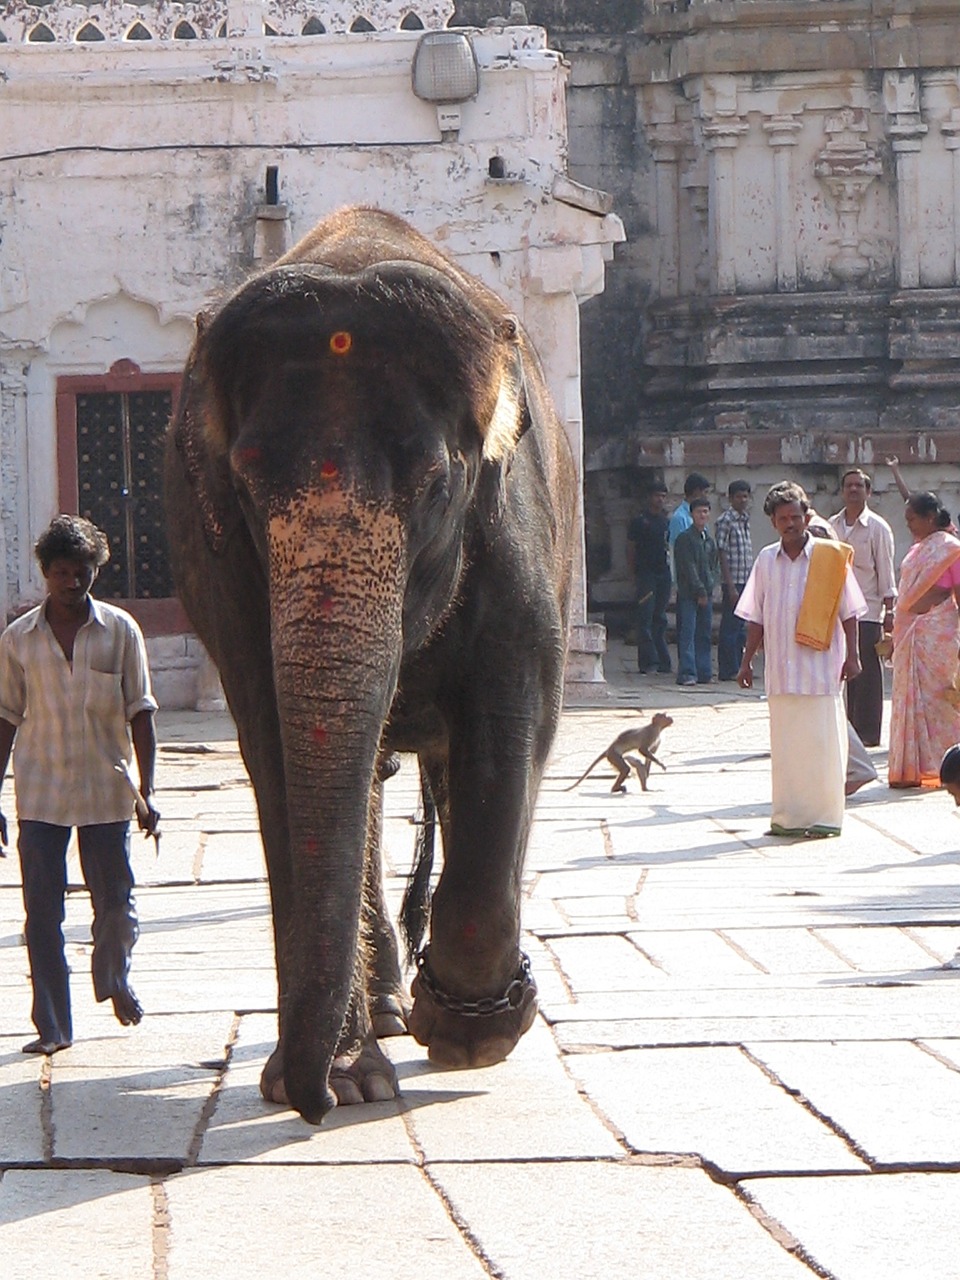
(437, 487)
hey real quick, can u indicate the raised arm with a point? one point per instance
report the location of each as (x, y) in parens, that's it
(893, 463)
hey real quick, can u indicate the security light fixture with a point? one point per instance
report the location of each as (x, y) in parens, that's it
(445, 67)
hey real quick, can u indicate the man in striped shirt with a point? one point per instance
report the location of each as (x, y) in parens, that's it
(808, 730)
(75, 694)
(736, 561)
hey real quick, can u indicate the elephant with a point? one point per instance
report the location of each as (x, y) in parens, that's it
(371, 508)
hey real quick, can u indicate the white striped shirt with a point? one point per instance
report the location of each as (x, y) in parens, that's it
(72, 721)
(772, 597)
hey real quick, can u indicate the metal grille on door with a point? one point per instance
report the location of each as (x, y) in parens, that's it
(119, 469)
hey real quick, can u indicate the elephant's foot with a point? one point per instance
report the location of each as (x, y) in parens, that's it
(462, 1033)
(364, 1074)
(272, 1087)
(389, 1013)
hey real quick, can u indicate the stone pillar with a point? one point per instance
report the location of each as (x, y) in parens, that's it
(665, 141)
(905, 128)
(209, 690)
(951, 140)
(781, 134)
(695, 246)
(558, 277)
(721, 137)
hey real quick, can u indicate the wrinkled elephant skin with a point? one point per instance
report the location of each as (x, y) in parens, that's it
(370, 510)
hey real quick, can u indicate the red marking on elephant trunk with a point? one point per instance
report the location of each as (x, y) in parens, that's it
(312, 845)
(250, 453)
(470, 931)
(319, 734)
(329, 470)
(326, 606)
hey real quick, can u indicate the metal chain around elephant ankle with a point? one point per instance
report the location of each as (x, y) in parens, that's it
(488, 1005)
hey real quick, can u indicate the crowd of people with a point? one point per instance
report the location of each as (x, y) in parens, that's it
(825, 606)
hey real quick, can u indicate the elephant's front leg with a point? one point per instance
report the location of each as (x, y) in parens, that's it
(360, 1071)
(474, 995)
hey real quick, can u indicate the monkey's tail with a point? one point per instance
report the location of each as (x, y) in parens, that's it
(415, 909)
(585, 772)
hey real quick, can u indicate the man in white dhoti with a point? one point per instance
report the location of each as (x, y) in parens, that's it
(801, 604)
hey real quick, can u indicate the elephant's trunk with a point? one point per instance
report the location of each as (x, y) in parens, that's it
(336, 574)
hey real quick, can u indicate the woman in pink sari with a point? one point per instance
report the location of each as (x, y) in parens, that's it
(925, 718)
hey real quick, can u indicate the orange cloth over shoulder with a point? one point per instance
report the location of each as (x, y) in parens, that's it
(823, 593)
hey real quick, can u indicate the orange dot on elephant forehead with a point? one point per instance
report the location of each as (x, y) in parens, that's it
(328, 469)
(341, 342)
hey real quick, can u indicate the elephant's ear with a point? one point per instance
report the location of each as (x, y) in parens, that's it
(504, 424)
(197, 434)
(507, 423)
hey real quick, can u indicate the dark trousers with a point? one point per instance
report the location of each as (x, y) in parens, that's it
(653, 593)
(694, 657)
(865, 694)
(105, 862)
(732, 637)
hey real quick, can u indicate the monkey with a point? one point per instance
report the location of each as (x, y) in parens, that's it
(646, 740)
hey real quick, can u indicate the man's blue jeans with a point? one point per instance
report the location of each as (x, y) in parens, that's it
(694, 658)
(105, 862)
(732, 637)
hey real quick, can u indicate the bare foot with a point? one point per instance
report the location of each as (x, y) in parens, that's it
(45, 1046)
(127, 1007)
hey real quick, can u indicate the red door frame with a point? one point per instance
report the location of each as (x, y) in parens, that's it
(156, 617)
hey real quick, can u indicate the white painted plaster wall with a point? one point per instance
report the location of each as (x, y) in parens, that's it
(131, 180)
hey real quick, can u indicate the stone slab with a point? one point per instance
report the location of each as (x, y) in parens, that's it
(250, 1221)
(870, 1228)
(599, 1220)
(709, 1102)
(880, 950)
(792, 952)
(21, 1125)
(526, 1108)
(76, 1224)
(237, 856)
(899, 1104)
(608, 964)
(701, 954)
(148, 1113)
(740, 1001)
(627, 1033)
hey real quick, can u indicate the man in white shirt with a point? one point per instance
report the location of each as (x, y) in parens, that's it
(872, 541)
(808, 730)
(75, 695)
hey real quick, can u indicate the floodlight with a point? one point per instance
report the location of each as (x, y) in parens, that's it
(445, 67)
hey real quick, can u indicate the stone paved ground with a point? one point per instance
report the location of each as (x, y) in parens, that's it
(747, 1064)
